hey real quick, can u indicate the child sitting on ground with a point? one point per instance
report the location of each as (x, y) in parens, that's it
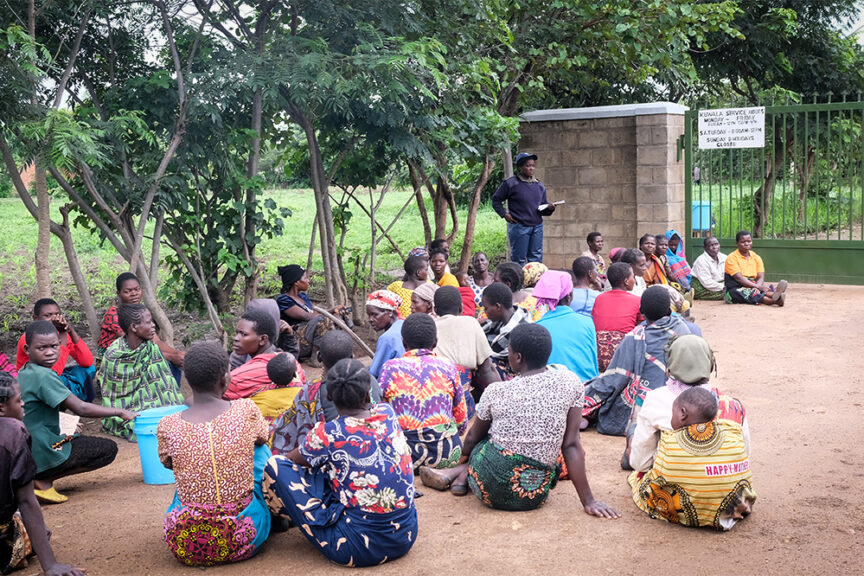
(77, 377)
(216, 449)
(701, 475)
(290, 407)
(58, 455)
(337, 345)
(24, 533)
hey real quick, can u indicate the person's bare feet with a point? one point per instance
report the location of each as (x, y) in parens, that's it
(434, 479)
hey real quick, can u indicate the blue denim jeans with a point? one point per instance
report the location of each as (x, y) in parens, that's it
(526, 243)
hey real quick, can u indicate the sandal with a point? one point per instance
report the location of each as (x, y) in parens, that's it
(50, 496)
(434, 479)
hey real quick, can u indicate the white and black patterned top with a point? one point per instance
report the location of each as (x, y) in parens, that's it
(529, 413)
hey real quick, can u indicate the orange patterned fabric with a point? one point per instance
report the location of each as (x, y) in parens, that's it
(213, 461)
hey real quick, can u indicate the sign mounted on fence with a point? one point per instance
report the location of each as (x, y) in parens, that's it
(732, 128)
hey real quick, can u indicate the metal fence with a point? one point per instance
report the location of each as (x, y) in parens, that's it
(801, 195)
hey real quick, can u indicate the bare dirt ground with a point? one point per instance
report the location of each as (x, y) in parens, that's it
(798, 371)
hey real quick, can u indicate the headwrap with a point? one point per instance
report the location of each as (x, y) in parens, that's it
(689, 359)
(426, 292)
(385, 300)
(290, 274)
(419, 251)
(533, 271)
(678, 260)
(552, 287)
(614, 254)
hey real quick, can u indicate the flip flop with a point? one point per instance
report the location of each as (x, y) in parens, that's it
(433, 479)
(50, 496)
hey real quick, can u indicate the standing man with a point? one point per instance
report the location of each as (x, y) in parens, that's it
(524, 195)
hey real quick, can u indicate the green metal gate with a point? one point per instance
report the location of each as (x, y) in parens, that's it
(801, 195)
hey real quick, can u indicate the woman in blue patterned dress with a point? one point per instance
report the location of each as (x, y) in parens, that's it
(350, 486)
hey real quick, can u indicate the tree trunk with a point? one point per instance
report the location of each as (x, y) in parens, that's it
(65, 235)
(251, 289)
(507, 158)
(417, 185)
(763, 196)
(471, 218)
(43, 244)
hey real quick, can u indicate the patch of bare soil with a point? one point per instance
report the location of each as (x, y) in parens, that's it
(798, 371)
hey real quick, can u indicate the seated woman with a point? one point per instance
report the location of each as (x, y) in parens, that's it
(677, 259)
(134, 374)
(78, 377)
(655, 272)
(462, 341)
(382, 308)
(129, 292)
(636, 259)
(708, 271)
(350, 486)
(217, 451)
(701, 476)
(584, 278)
(744, 276)
(689, 363)
(296, 309)
(423, 299)
(481, 278)
(469, 305)
(426, 395)
(532, 272)
(574, 340)
(58, 455)
(615, 313)
(438, 263)
(638, 365)
(338, 345)
(511, 274)
(521, 428)
(503, 318)
(416, 269)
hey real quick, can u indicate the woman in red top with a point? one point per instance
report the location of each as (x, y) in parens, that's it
(615, 312)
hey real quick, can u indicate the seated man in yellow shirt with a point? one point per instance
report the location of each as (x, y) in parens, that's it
(744, 276)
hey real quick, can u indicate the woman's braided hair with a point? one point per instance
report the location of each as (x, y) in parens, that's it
(348, 384)
(7, 386)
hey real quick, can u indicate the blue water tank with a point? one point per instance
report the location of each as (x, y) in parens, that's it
(701, 216)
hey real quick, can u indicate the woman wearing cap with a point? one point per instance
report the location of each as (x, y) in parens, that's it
(423, 299)
(382, 308)
(689, 363)
(524, 195)
(295, 307)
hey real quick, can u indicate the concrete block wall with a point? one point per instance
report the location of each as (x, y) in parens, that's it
(616, 168)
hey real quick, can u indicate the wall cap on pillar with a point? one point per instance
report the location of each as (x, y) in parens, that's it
(604, 112)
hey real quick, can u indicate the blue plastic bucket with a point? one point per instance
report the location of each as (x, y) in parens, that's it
(701, 216)
(148, 450)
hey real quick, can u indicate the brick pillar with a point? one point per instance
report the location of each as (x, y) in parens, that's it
(659, 174)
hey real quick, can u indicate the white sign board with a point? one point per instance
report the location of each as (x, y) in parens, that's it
(732, 128)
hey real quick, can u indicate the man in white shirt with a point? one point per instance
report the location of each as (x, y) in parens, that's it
(708, 271)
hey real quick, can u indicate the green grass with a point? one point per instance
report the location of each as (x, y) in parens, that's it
(101, 264)
(829, 215)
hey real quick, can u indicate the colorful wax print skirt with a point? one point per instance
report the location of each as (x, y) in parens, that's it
(466, 376)
(607, 342)
(508, 481)
(435, 446)
(701, 477)
(15, 545)
(346, 536)
(206, 534)
(702, 293)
